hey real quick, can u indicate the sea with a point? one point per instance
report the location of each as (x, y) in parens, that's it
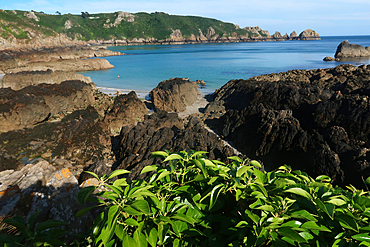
(145, 66)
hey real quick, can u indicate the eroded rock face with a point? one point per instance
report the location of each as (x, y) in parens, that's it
(44, 187)
(309, 34)
(166, 131)
(316, 120)
(174, 95)
(34, 104)
(345, 49)
(127, 109)
(17, 81)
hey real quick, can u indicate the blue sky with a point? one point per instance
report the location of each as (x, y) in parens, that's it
(327, 17)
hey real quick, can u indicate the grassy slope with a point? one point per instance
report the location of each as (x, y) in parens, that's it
(154, 25)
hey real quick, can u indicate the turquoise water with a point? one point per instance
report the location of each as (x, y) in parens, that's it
(145, 66)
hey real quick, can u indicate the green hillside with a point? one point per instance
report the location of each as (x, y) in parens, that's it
(105, 26)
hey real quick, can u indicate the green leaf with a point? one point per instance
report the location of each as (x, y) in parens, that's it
(84, 193)
(299, 191)
(323, 178)
(336, 201)
(292, 224)
(236, 158)
(19, 222)
(93, 174)
(214, 195)
(149, 169)
(159, 154)
(367, 180)
(162, 175)
(255, 163)
(241, 170)
(140, 239)
(201, 165)
(83, 211)
(252, 216)
(184, 218)
(267, 208)
(131, 222)
(117, 173)
(195, 154)
(179, 227)
(31, 221)
(152, 237)
(142, 206)
(310, 225)
(131, 211)
(261, 177)
(242, 224)
(347, 221)
(291, 234)
(327, 208)
(120, 182)
(173, 157)
(176, 243)
(362, 237)
(49, 224)
(129, 241)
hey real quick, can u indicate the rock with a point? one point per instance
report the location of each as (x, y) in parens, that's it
(17, 81)
(309, 34)
(166, 131)
(345, 49)
(200, 82)
(43, 187)
(174, 95)
(327, 58)
(293, 35)
(313, 120)
(127, 109)
(277, 36)
(35, 104)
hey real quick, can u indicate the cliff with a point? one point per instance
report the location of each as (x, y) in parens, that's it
(19, 29)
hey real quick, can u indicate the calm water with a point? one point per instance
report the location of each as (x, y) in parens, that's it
(145, 66)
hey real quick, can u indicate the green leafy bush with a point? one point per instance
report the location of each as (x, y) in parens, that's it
(193, 201)
(31, 233)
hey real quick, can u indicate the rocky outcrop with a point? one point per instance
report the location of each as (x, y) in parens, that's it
(127, 109)
(56, 58)
(43, 186)
(347, 50)
(121, 16)
(17, 81)
(313, 120)
(328, 59)
(166, 131)
(309, 34)
(174, 95)
(35, 104)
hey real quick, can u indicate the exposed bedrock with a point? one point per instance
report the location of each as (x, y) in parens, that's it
(17, 81)
(34, 104)
(347, 50)
(174, 95)
(317, 120)
(166, 131)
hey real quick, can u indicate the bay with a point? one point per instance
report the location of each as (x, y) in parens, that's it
(145, 66)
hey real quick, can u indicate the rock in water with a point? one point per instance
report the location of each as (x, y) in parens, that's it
(345, 49)
(174, 95)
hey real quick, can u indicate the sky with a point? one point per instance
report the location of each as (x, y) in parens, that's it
(326, 17)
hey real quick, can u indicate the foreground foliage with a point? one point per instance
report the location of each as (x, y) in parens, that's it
(193, 201)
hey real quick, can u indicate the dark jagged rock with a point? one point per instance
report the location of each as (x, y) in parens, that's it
(174, 95)
(166, 131)
(345, 49)
(127, 109)
(316, 120)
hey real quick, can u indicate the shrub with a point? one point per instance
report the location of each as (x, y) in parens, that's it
(193, 201)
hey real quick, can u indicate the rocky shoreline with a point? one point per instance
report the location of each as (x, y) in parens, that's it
(177, 38)
(56, 124)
